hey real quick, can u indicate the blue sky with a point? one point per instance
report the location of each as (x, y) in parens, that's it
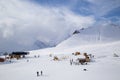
(97, 8)
(23, 22)
(77, 6)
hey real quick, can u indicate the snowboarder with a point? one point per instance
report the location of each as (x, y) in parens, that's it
(41, 73)
(37, 73)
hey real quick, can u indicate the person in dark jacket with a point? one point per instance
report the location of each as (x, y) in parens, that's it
(37, 73)
(41, 73)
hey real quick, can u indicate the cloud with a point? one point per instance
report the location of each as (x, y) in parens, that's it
(23, 22)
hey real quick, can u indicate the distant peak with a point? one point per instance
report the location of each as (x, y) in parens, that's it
(76, 32)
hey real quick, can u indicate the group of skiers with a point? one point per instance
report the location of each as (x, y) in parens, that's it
(41, 73)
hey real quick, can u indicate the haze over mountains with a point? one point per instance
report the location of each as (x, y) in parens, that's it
(29, 25)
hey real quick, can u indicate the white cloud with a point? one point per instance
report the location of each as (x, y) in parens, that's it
(22, 23)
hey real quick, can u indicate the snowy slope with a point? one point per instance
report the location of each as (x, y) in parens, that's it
(94, 35)
(101, 41)
(105, 67)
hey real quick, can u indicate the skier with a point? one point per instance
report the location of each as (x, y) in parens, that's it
(41, 73)
(37, 73)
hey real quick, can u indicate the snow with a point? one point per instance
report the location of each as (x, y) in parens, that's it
(104, 66)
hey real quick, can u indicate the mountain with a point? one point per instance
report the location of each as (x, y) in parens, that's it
(41, 45)
(93, 35)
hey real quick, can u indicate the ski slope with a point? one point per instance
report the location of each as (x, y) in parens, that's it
(104, 67)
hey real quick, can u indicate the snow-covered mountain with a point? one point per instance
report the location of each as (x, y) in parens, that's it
(102, 41)
(41, 44)
(104, 66)
(100, 33)
(93, 35)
